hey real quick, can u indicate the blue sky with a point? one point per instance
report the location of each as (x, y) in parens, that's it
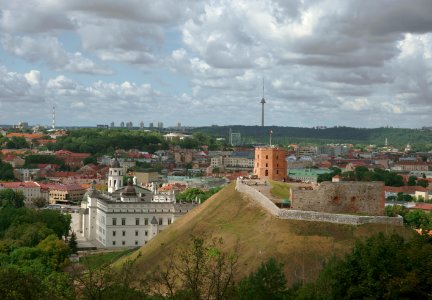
(329, 62)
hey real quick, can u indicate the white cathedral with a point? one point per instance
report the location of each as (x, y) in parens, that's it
(127, 215)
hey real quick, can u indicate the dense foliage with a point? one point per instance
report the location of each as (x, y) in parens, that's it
(379, 268)
(288, 135)
(415, 218)
(11, 198)
(363, 174)
(32, 254)
(6, 171)
(195, 194)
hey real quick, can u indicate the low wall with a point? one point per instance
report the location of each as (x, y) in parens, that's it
(338, 218)
(265, 202)
(268, 205)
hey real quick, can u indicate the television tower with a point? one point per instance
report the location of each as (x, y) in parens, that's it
(262, 110)
(53, 117)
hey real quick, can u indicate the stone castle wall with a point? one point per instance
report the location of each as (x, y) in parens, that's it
(352, 197)
(292, 214)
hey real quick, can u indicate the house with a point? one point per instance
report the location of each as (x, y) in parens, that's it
(31, 190)
(65, 193)
(14, 161)
(71, 159)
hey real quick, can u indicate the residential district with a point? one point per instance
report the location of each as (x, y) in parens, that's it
(126, 198)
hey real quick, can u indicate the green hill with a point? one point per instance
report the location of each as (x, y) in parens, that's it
(302, 246)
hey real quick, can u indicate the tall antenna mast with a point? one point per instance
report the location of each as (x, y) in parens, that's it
(53, 117)
(262, 103)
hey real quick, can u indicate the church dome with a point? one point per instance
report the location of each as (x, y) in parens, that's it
(129, 190)
(115, 163)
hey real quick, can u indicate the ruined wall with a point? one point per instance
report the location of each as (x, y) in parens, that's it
(352, 197)
(291, 214)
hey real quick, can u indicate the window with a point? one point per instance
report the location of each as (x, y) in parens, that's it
(136, 232)
(266, 165)
(136, 242)
(123, 233)
(145, 221)
(137, 221)
(146, 233)
(266, 156)
(169, 221)
(266, 172)
(123, 243)
(114, 233)
(114, 221)
(160, 221)
(277, 156)
(113, 243)
(123, 221)
(277, 171)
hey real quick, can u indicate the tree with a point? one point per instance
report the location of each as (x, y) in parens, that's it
(9, 197)
(6, 171)
(412, 180)
(200, 271)
(56, 252)
(268, 282)
(73, 242)
(382, 267)
(39, 202)
(423, 182)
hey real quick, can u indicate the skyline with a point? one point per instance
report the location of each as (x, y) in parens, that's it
(325, 63)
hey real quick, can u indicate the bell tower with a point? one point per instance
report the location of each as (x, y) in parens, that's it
(115, 176)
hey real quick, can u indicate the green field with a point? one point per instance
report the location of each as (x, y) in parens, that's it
(99, 259)
(280, 190)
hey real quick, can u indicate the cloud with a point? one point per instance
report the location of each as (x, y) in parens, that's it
(328, 62)
(49, 50)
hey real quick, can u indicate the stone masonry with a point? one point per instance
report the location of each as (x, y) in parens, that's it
(352, 197)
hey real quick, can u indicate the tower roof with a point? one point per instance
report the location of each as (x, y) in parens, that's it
(115, 163)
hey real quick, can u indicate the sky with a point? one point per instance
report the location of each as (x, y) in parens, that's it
(324, 63)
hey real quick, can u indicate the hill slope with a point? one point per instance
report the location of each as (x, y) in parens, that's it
(302, 246)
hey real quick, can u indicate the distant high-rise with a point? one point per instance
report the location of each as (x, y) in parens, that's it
(160, 125)
(262, 103)
(122, 124)
(129, 124)
(151, 125)
(142, 124)
(112, 124)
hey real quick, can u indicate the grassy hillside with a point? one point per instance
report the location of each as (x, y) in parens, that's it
(302, 246)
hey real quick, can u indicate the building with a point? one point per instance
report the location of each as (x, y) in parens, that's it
(66, 194)
(239, 160)
(306, 175)
(175, 136)
(71, 159)
(31, 190)
(270, 163)
(127, 216)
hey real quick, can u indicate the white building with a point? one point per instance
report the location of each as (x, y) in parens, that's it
(127, 216)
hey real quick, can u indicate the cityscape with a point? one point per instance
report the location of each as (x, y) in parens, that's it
(215, 150)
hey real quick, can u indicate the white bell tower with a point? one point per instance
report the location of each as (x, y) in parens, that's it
(115, 176)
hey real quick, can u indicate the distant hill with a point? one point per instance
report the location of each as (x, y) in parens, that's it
(287, 135)
(302, 246)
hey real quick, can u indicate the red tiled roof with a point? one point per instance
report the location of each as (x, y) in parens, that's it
(423, 206)
(18, 184)
(66, 187)
(25, 135)
(404, 189)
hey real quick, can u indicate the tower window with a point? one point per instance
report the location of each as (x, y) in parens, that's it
(123, 221)
(114, 220)
(266, 156)
(266, 172)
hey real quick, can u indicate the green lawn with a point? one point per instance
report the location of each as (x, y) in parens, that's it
(280, 190)
(99, 259)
